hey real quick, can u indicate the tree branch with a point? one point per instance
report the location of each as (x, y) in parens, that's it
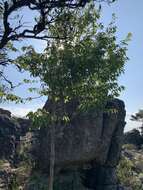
(44, 7)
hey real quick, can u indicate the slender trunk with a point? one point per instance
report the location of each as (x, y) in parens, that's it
(52, 157)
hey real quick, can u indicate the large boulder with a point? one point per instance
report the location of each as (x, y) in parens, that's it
(96, 136)
(92, 139)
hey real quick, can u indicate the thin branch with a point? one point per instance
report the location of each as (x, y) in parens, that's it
(6, 80)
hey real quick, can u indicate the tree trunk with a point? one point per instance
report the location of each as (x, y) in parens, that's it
(52, 157)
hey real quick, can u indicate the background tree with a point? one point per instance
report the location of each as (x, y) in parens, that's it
(138, 117)
(133, 137)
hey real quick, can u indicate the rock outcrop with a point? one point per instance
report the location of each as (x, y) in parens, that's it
(87, 150)
(11, 132)
(8, 137)
(91, 141)
(14, 140)
(134, 137)
(5, 112)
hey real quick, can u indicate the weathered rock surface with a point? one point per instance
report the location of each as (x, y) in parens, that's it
(14, 140)
(8, 137)
(93, 139)
(11, 131)
(5, 112)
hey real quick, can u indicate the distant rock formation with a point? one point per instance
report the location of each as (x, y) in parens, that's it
(8, 136)
(11, 130)
(87, 150)
(134, 137)
(5, 112)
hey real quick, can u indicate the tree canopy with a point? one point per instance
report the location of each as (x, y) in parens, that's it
(13, 27)
(86, 64)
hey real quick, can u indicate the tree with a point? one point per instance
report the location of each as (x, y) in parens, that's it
(138, 117)
(83, 67)
(14, 28)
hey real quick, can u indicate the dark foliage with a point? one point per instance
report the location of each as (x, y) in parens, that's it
(133, 137)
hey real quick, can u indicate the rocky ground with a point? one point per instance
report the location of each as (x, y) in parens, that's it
(130, 173)
(130, 168)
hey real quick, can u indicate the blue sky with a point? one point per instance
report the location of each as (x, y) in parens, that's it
(129, 19)
(129, 15)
